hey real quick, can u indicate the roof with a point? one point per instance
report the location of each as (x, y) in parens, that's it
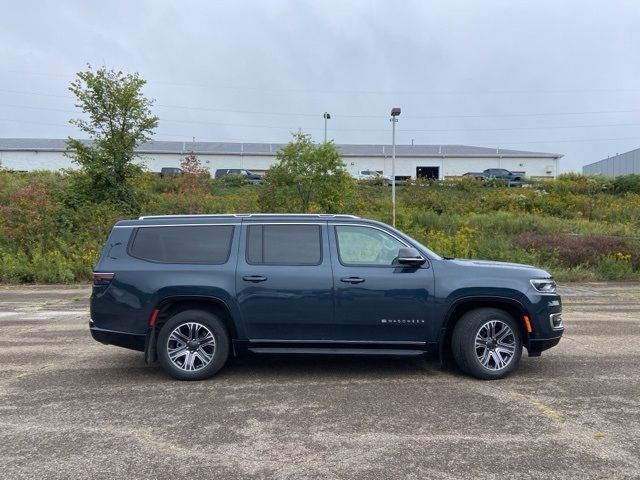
(617, 156)
(226, 148)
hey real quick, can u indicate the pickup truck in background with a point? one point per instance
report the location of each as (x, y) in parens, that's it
(499, 173)
(249, 176)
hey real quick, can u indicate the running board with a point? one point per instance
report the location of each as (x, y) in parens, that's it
(338, 351)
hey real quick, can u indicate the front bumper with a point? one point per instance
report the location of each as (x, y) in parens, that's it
(545, 313)
(125, 340)
(538, 345)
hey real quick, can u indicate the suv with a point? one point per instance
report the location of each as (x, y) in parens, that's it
(249, 176)
(191, 290)
(170, 172)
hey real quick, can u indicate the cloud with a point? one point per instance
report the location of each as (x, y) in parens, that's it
(544, 75)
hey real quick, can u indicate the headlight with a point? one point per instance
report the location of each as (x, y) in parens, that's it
(544, 285)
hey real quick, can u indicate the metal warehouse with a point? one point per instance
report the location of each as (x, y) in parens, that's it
(622, 164)
(433, 161)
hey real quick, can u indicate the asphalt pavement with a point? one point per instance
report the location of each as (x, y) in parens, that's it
(73, 408)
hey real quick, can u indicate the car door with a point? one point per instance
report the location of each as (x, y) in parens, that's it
(376, 299)
(284, 281)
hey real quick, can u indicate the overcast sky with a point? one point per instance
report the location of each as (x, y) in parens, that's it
(552, 76)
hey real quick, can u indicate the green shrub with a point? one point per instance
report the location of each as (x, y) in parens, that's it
(45, 237)
(616, 267)
(627, 183)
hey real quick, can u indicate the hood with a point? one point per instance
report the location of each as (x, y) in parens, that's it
(535, 272)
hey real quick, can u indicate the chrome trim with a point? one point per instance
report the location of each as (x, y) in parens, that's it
(551, 318)
(369, 342)
(176, 225)
(252, 215)
(402, 241)
(419, 258)
(275, 222)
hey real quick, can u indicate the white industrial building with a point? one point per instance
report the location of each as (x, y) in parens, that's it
(622, 164)
(434, 161)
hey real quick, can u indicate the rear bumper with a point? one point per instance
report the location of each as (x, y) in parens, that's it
(120, 339)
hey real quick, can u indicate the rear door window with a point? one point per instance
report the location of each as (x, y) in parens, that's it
(284, 245)
(202, 244)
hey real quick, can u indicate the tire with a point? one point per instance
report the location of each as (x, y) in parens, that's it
(193, 345)
(487, 359)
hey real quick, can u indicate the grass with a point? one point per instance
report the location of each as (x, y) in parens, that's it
(578, 228)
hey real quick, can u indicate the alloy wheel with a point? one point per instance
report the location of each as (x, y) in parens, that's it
(495, 345)
(191, 346)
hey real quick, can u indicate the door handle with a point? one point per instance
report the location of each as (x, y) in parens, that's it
(254, 278)
(352, 279)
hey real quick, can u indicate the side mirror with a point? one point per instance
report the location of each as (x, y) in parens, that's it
(410, 256)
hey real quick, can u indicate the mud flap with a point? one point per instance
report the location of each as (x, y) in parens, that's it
(150, 352)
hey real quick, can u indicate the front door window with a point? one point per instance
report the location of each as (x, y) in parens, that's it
(359, 246)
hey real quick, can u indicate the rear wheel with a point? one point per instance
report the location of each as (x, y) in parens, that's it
(193, 345)
(487, 343)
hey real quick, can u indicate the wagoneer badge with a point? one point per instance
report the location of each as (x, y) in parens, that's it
(402, 320)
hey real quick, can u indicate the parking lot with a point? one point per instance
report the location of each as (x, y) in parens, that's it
(73, 408)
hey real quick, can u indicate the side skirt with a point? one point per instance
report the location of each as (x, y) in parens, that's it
(331, 347)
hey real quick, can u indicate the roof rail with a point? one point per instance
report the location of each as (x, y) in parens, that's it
(250, 215)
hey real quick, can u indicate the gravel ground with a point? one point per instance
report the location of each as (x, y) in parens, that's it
(73, 408)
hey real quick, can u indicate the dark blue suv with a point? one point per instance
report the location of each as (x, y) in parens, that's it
(190, 290)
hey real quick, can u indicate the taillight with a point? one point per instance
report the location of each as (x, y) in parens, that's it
(102, 278)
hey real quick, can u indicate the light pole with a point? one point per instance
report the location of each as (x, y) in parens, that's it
(395, 112)
(327, 116)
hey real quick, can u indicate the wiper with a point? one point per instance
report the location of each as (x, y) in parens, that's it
(448, 258)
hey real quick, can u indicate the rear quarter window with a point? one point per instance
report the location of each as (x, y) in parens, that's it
(206, 244)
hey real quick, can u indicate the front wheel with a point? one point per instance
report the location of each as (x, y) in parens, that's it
(487, 343)
(193, 345)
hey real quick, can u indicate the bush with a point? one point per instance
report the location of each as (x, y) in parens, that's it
(574, 250)
(627, 184)
(45, 236)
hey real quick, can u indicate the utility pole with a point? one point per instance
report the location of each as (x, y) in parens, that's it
(395, 112)
(327, 116)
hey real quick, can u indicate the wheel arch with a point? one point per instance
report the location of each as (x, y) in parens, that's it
(169, 306)
(463, 305)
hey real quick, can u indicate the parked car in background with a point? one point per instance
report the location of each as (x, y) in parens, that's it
(373, 176)
(498, 173)
(249, 176)
(190, 291)
(170, 172)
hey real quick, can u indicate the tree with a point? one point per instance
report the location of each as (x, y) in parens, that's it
(191, 165)
(194, 179)
(118, 119)
(307, 177)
